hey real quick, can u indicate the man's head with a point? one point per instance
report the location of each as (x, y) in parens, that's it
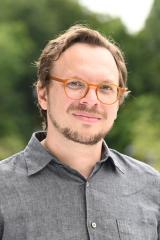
(84, 54)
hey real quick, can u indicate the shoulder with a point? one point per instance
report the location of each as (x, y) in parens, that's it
(12, 177)
(12, 165)
(137, 177)
(134, 166)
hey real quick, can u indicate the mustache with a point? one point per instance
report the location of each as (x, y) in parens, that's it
(84, 108)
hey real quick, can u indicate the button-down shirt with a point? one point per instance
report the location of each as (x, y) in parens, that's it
(43, 199)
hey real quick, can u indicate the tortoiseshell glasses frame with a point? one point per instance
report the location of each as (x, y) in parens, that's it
(107, 92)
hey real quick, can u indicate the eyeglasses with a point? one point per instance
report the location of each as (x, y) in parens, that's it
(107, 93)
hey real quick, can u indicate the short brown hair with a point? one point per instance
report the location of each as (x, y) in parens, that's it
(75, 34)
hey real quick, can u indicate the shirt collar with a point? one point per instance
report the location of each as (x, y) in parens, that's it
(36, 156)
(110, 154)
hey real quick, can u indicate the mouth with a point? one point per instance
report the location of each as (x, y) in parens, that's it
(85, 117)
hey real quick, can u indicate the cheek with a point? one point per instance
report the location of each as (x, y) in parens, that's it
(59, 103)
(112, 112)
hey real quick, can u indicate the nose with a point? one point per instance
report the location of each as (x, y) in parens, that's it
(90, 98)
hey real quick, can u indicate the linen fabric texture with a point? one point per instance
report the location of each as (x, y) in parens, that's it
(43, 199)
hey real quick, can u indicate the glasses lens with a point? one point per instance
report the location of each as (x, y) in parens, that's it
(107, 93)
(75, 89)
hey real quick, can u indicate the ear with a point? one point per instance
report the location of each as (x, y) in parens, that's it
(42, 96)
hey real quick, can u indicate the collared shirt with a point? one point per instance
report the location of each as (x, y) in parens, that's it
(43, 199)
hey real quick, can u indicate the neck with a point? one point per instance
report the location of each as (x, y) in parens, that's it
(78, 156)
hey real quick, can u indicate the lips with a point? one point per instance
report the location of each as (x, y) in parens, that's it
(86, 117)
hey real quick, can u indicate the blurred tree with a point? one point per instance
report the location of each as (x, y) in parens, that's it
(137, 128)
(143, 58)
(15, 48)
(146, 130)
(25, 28)
(152, 37)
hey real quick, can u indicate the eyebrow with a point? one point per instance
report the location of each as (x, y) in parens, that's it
(77, 77)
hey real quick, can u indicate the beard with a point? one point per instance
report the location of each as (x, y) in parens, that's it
(76, 136)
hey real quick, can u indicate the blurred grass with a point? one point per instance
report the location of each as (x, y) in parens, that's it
(10, 145)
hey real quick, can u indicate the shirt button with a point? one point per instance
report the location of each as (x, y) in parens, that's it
(87, 184)
(93, 225)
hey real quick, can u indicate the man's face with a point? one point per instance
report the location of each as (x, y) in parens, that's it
(87, 120)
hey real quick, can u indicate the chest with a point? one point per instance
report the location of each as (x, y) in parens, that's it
(71, 210)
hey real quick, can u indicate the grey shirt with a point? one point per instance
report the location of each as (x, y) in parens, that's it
(42, 199)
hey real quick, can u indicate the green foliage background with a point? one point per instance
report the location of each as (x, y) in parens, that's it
(25, 28)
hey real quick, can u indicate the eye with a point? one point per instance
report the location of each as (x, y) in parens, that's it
(75, 84)
(107, 88)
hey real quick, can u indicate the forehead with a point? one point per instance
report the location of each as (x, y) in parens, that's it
(86, 61)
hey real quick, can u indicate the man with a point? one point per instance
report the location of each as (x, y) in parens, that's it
(67, 184)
